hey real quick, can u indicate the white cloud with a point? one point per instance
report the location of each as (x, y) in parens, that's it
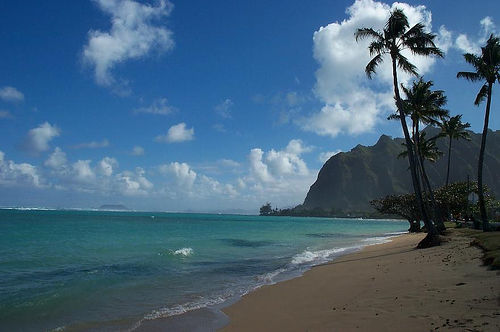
(297, 147)
(467, 44)
(353, 105)
(57, 159)
(182, 173)
(106, 166)
(257, 168)
(159, 107)
(137, 150)
(324, 156)
(224, 108)
(176, 134)
(133, 35)
(280, 176)
(444, 39)
(82, 171)
(92, 145)
(133, 183)
(12, 174)
(38, 138)
(273, 165)
(11, 94)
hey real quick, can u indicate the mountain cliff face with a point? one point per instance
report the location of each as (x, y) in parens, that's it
(349, 180)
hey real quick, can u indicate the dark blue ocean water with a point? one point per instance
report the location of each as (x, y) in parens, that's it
(82, 270)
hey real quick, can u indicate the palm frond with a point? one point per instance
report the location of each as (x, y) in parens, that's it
(481, 95)
(470, 76)
(406, 65)
(368, 33)
(371, 67)
(473, 60)
(377, 47)
(393, 117)
(396, 25)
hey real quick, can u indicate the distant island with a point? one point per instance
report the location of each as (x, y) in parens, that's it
(118, 207)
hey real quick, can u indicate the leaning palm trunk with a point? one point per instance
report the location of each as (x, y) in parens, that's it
(480, 191)
(432, 237)
(449, 160)
(438, 217)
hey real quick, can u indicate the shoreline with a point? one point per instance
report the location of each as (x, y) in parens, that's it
(214, 318)
(383, 287)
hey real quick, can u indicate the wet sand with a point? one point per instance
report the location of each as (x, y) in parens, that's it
(386, 287)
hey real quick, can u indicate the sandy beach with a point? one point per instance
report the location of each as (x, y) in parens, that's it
(386, 287)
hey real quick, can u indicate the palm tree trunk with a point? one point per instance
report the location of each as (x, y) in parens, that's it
(438, 219)
(438, 216)
(432, 237)
(480, 192)
(449, 160)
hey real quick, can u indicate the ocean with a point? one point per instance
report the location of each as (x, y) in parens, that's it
(104, 271)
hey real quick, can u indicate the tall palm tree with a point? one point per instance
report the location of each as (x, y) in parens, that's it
(427, 150)
(487, 67)
(396, 37)
(424, 105)
(454, 128)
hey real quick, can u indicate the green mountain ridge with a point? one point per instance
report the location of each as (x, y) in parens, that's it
(349, 180)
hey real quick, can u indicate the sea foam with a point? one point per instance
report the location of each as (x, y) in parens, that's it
(318, 256)
(183, 252)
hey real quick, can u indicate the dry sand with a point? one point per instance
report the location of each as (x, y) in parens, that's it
(387, 287)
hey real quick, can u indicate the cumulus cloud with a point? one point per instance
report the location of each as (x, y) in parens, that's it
(134, 183)
(134, 34)
(11, 94)
(13, 174)
(270, 166)
(257, 166)
(468, 44)
(38, 138)
(92, 145)
(280, 176)
(176, 134)
(82, 171)
(182, 174)
(352, 104)
(106, 166)
(159, 107)
(102, 177)
(57, 159)
(324, 156)
(137, 150)
(224, 108)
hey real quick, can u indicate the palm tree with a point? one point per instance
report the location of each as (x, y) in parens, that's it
(487, 67)
(454, 128)
(427, 150)
(396, 37)
(424, 105)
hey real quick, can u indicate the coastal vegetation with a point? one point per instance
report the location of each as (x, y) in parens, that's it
(396, 37)
(487, 66)
(365, 174)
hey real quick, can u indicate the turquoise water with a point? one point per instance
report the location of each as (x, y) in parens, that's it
(99, 270)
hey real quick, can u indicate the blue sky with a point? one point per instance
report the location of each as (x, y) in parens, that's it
(203, 105)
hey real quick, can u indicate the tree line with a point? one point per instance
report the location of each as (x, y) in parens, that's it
(419, 104)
